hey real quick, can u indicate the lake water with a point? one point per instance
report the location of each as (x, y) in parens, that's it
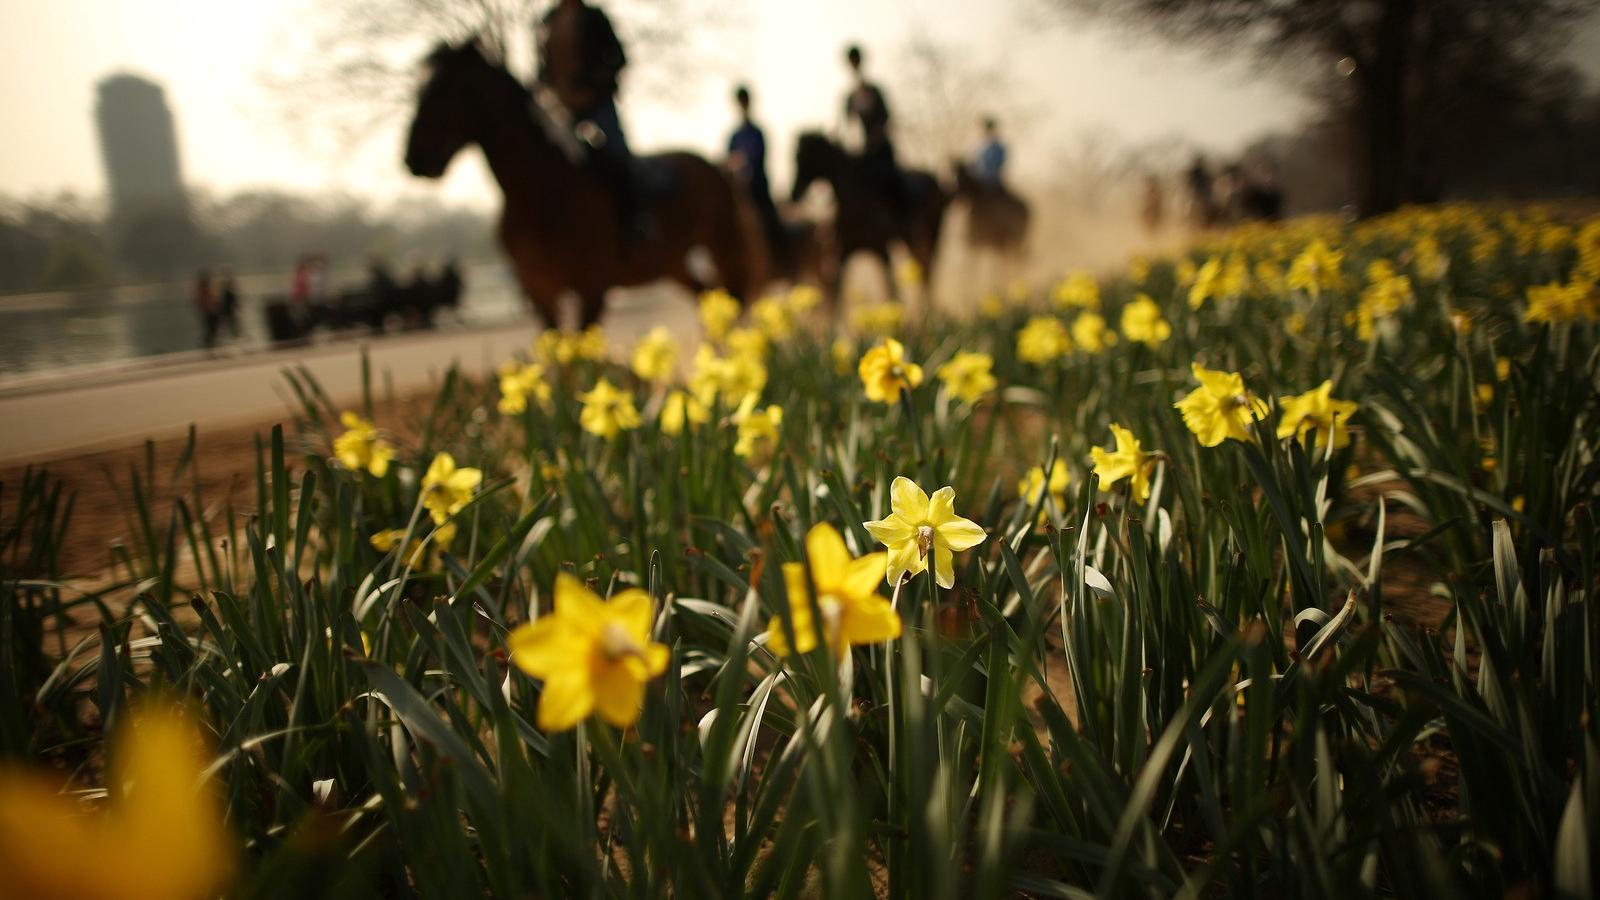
(49, 332)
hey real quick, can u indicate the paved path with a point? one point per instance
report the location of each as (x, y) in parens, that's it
(46, 416)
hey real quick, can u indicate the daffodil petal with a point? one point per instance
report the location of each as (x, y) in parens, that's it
(904, 558)
(545, 647)
(567, 700)
(944, 568)
(890, 531)
(826, 552)
(909, 501)
(618, 694)
(862, 577)
(870, 622)
(961, 534)
(634, 609)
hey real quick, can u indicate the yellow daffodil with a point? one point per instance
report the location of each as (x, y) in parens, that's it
(1128, 461)
(555, 347)
(909, 273)
(748, 343)
(1090, 334)
(160, 836)
(681, 408)
(773, 315)
(1138, 270)
(755, 424)
(917, 526)
(968, 376)
(1220, 408)
(359, 448)
(878, 318)
(1142, 321)
(843, 353)
(419, 554)
(801, 299)
(518, 383)
(1034, 485)
(847, 596)
(1317, 410)
(1427, 260)
(885, 372)
(729, 377)
(1316, 269)
(718, 311)
(1502, 368)
(607, 410)
(992, 306)
(1206, 283)
(1043, 339)
(1555, 303)
(594, 656)
(655, 357)
(1079, 290)
(590, 344)
(445, 488)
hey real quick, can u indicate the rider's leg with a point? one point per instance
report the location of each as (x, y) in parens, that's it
(615, 162)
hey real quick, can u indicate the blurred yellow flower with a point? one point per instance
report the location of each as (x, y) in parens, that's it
(518, 383)
(772, 315)
(1128, 461)
(1184, 271)
(655, 356)
(729, 377)
(359, 448)
(748, 343)
(718, 311)
(1220, 408)
(918, 525)
(419, 554)
(1042, 340)
(594, 656)
(847, 597)
(1207, 283)
(1427, 260)
(909, 273)
(1502, 368)
(1142, 322)
(991, 306)
(885, 372)
(161, 835)
(590, 344)
(445, 488)
(843, 351)
(1034, 485)
(1316, 269)
(755, 424)
(802, 298)
(1079, 290)
(607, 410)
(1089, 332)
(878, 318)
(1555, 303)
(1317, 411)
(1138, 270)
(968, 376)
(681, 408)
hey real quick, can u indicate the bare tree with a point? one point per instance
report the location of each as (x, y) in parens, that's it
(358, 67)
(1388, 50)
(941, 92)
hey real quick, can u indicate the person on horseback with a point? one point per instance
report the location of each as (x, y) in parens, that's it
(580, 62)
(747, 159)
(866, 107)
(989, 162)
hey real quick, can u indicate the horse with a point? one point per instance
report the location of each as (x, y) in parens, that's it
(560, 224)
(997, 219)
(866, 219)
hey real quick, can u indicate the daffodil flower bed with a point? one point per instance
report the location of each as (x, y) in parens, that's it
(1267, 569)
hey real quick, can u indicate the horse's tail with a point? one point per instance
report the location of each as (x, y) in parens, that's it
(742, 264)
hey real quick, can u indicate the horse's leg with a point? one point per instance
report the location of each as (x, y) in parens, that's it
(592, 304)
(882, 253)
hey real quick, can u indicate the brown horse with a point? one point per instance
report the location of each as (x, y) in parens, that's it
(560, 224)
(866, 219)
(997, 222)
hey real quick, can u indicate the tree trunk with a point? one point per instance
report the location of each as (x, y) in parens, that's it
(1381, 111)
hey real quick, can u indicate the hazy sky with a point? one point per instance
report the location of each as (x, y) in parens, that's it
(210, 55)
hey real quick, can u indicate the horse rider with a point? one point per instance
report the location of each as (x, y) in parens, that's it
(747, 159)
(580, 61)
(989, 161)
(867, 108)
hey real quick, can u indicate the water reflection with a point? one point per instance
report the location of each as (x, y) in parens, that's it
(47, 332)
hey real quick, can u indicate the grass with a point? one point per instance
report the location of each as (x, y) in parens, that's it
(1215, 691)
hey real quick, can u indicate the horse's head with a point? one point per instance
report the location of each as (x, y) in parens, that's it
(446, 119)
(814, 156)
